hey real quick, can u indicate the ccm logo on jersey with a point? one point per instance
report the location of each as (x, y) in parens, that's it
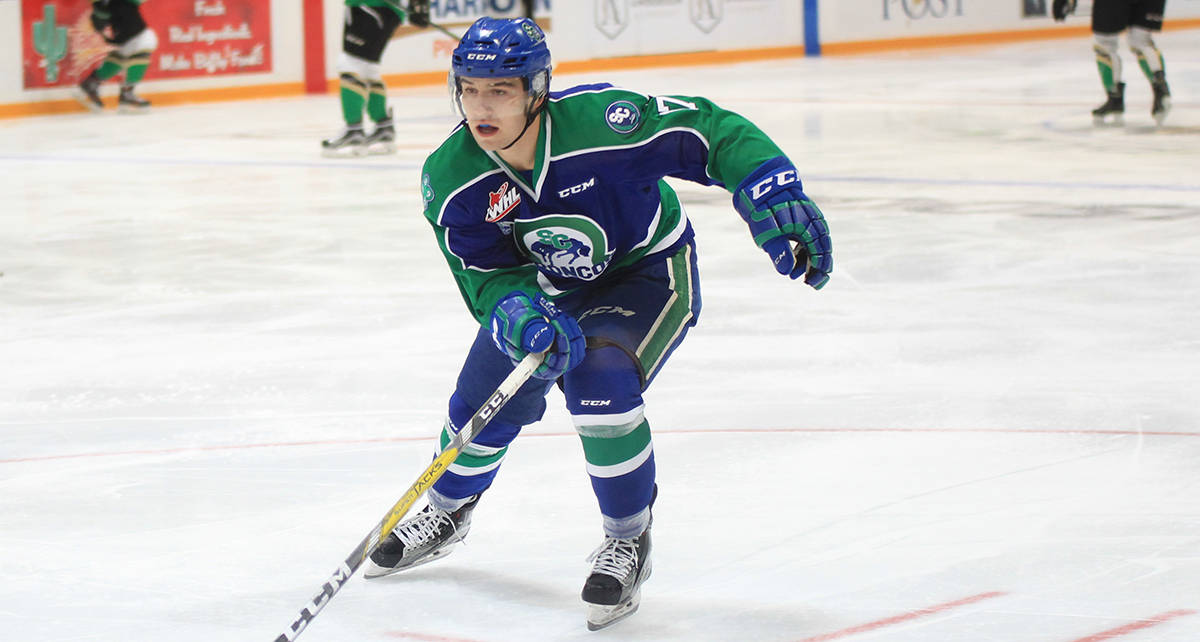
(563, 193)
(501, 202)
(595, 402)
(764, 187)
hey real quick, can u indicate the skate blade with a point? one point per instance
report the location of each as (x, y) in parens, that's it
(129, 109)
(603, 616)
(1115, 120)
(1161, 115)
(351, 151)
(371, 570)
(380, 149)
(87, 102)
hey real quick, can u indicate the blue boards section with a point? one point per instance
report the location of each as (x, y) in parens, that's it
(812, 31)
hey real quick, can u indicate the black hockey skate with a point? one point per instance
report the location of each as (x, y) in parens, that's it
(350, 142)
(382, 140)
(1113, 110)
(88, 93)
(613, 591)
(421, 539)
(1162, 97)
(130, 103)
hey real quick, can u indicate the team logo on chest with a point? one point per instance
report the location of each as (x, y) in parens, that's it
(502, 202)
(565, 245)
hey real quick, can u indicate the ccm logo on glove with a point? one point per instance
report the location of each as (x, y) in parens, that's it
(764, 187)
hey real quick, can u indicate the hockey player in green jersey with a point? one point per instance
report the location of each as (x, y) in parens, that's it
(369, 26)
(120, 23)
(564, 239)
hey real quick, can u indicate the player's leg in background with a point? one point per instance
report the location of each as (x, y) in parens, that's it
(136, 54)
(434, 531)
(364, 37)
(382, 138)
(1146, 21)
(135, 42)
(88, 92)
(354, 66)
(130, 38)
(352, 93)
(1109, 19)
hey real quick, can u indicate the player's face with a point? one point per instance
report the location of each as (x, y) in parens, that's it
(495, 110)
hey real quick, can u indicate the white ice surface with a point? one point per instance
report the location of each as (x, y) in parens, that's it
(225, 357)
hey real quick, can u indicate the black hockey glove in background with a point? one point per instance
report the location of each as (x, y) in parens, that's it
(101, 16)
(418, 13)
(1062, 9)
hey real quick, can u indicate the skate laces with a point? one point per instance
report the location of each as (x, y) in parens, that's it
(616, 556)
(428, 527)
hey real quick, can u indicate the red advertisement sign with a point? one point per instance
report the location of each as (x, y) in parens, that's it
(195, 38)
(206, 37)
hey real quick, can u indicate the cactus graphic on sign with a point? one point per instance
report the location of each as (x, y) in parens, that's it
(50, 40)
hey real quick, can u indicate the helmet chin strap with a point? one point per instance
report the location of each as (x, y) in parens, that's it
(530, 115)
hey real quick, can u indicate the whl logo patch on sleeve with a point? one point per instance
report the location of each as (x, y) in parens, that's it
(623, 117)
(502, 202)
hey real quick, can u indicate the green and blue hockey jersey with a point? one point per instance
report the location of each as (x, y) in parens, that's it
(595, 202)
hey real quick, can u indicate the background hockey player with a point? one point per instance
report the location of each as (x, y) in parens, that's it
(121, 24)
(368, 29)
(562, 236)
(1109, 19)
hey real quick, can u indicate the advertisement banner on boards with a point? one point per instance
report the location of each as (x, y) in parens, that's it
(196, 38)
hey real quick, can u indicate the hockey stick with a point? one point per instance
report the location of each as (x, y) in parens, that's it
(445, 30)
(440, 465)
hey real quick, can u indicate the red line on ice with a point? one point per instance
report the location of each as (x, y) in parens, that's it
(424, 637)
(903, 617)
(1136, 626)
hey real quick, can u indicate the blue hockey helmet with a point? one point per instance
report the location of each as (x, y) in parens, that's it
(504, 48)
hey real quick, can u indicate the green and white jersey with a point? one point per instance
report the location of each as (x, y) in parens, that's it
(394, 5)
(595, 202)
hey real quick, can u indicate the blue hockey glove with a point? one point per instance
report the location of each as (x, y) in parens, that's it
(1062, 8)
(772, 203)
(521, 325)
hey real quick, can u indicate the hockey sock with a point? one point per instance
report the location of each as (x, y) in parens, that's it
(622, 470)
(1108, 61)
(112, 65)
(604, 397)
(1150, 64)
(354, 96)
(135, 68)
(1149, 57)
(377, 101)
(475, 459)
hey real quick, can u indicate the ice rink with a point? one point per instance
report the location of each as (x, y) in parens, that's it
(225, 357)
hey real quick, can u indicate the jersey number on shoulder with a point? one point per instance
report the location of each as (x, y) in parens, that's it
(667, 104)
